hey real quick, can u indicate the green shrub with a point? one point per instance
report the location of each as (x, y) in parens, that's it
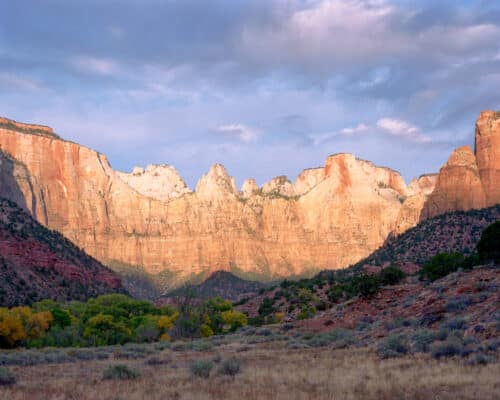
(266, 307)
(6, 377)
(488, 247)
(335, 293)
(367, 285)
(391, 275)
(441, 265)
(423, 339)
(120, 372)
(393, 346)
(306, 312)
(201, 368)
(230, 367)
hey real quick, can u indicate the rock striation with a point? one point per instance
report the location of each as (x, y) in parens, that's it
(330, 217)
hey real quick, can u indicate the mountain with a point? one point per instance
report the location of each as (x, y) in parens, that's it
(220, 283)
(37, 263)
(150, 221)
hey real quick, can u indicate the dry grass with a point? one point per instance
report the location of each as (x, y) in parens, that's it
(269, 371)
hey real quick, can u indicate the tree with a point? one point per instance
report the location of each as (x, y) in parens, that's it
(441, 265)
(488, 247)
(391, 275)
(234, 319)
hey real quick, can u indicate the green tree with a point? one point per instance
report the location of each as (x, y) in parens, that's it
(488, 247)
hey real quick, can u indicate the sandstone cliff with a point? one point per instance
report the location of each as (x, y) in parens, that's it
(329, 217)
(487, 145)
(470, 180)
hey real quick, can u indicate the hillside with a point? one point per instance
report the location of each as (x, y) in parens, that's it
(37, 263)
(220, 284)
(451, 232)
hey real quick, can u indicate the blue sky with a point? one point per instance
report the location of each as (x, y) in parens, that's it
(265, 87)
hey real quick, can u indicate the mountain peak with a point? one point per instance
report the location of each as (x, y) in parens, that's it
(216, 183)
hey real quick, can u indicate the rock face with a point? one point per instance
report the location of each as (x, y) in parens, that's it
(458, 185)
(279, 186)
(487, 146)
(329, 217)
(248, 188)
(160, 182)
(470, 180)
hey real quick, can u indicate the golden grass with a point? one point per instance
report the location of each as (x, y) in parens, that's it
(269, 371)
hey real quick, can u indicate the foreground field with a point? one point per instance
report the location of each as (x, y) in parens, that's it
(268, 371)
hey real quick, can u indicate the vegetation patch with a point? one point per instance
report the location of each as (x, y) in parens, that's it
(6, 377)
(120, 372)
(201, 368)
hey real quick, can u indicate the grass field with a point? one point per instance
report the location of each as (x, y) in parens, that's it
(269, 370)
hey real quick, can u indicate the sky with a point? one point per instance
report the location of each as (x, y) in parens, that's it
(266, 88)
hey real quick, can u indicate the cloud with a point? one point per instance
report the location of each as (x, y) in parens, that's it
(239, 131)
(321, 138)
(305, 72)
(13, 81)
(357, 129)
(95, 65)
(402, 129)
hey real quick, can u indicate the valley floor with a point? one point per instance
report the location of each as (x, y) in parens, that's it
(268, 371)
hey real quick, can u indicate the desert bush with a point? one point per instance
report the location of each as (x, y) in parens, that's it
(6, 377)
(287, 327)
(120, 372)
(156, 361)
(87, 354)
(264, 332)
(441, 265)
(423, 339)
(458, 303)
(266, 307)
(335, 293)
(449, 348)
(201, 345)
(481, 359)
(393, 346)
(488, 247)
(201, 368)
(365, 285)
(230, 367)
(454, 324)
(391, 275)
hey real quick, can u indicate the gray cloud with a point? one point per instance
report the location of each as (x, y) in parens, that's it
(131, 77)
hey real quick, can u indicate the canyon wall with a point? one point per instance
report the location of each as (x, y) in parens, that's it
(329, 217)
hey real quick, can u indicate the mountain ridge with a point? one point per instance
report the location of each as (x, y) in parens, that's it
(277, 230)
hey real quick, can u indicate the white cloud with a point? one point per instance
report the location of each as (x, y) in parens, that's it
(400, 128)
(328, 136)
(357, 129)
(239, 131)
(95, 65)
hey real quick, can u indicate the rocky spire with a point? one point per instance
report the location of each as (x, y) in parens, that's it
(216, 183)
